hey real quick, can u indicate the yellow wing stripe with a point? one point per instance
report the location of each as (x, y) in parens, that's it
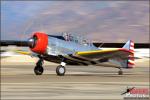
(95, 51)
(23, 52)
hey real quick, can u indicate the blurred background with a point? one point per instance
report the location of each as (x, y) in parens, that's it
(99, 21)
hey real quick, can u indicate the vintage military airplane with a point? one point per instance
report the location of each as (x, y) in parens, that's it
(68, 49)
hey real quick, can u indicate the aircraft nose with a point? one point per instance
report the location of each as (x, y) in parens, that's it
(32, 42)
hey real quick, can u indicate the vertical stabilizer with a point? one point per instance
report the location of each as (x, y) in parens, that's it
(130, 61)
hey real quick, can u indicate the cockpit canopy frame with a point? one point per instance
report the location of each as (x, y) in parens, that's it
(73, 37)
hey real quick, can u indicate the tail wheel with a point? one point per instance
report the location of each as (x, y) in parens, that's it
(38, 70)
(120, 72)
(60, 70)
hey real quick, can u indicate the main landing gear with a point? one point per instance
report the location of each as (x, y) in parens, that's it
(120, 72)
(38, 70)
(60, 70)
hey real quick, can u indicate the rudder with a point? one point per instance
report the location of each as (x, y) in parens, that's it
(130, 61)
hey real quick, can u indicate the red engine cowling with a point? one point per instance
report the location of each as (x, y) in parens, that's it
(38, 42)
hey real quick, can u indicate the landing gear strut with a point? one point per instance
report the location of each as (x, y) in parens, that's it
(38, 70)
(120, 72)
(60, 70)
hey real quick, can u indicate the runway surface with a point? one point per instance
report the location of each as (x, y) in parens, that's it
(80, 82)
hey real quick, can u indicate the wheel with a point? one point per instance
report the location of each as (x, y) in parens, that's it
(120, 72)
(38, 70)
(60, 70)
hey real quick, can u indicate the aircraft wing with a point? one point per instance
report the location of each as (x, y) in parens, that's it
(26, 53)
(105, 54)
(23, 52)
(124, 57)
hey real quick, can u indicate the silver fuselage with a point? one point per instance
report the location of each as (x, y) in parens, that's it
(61, 47)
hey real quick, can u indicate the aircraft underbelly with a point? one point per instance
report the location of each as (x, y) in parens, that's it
(107, 64)
(79, 60)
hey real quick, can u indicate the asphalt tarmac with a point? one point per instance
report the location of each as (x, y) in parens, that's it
(80, 82)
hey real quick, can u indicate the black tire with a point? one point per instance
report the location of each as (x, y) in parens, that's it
(60, 70)
(38, 70)
(120, 72)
